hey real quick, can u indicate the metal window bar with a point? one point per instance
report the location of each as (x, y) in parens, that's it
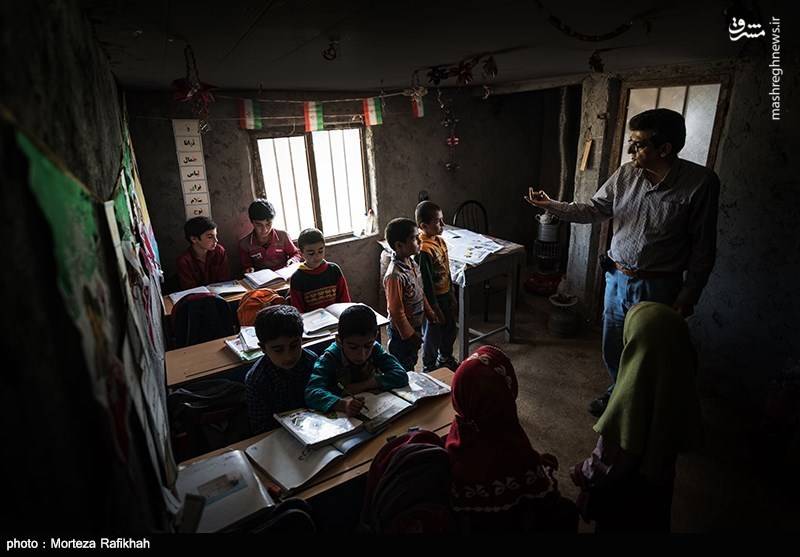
(294, 188)
(333, 181)
(280, 180)
(349, 211)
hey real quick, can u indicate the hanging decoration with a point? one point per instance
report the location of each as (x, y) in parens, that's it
(449, 121)
(313, 116)
(373, 111)
(191, 89)
(559, 24)
(464, 69)
(249, 115)
(417, 106)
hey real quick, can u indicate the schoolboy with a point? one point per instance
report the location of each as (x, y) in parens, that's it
(204, 261)
(405, 298)
(277, 381)
(434, 263)
(317, 283)
(355, 363)
(265, 247)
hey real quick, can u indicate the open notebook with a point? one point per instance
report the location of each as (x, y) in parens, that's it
(218, 288)
(291, 464)
(314, 429)
(324, 320)
(267, 277)
(232, 490)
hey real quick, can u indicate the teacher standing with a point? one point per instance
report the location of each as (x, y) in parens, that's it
(664, 229)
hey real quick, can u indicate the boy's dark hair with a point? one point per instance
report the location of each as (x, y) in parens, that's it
(278, 321)
(196, 226)
(310, 236)
(261, 209)
(667, 126)
(357, 320)
(426, 211)
(399, 230)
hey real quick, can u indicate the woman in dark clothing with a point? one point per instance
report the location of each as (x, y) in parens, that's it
(653, 414)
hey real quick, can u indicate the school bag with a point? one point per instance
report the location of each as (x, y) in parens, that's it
(202, 317)
(207, 415)
(408, 487)
(253, 302)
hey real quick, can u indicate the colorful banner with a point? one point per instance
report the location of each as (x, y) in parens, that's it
(373, 111)
(313, 116)
(250, 115)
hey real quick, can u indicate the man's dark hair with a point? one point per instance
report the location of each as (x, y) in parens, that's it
(426, 211)
(358, 320)
(310, 236)
(666, 125)
(196, 226)
(278, 321)
(399, 230)
(261, 209)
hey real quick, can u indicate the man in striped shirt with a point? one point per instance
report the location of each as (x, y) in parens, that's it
(664, 229)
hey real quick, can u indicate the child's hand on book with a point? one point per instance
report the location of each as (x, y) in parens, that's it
(352, 406)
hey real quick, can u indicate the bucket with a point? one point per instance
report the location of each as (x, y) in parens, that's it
(548, 228)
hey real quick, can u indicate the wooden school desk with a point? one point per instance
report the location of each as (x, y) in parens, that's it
(211, 358)
(282, 288)
(434, 414)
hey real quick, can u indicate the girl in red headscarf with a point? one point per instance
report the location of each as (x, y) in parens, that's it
(500, 483)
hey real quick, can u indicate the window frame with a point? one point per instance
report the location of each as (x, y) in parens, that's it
(261, 187)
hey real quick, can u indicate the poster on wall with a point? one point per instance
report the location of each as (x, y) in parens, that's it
(192, 168)
(70, 211)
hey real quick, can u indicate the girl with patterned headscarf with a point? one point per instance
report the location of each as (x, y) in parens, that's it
(499, 482)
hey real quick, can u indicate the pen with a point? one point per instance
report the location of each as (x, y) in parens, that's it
(345, 392)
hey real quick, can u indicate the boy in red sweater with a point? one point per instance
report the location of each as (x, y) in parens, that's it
(316, 283)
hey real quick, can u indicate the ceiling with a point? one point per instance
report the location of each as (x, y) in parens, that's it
(278, 44)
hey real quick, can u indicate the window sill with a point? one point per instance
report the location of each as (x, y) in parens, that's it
(349, 239)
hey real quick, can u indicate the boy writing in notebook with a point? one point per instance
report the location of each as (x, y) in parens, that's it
(204, 262)
(317, 283)
(434, 263)
(277, 381)
(353, 364)
(405, 297)
(265, 247)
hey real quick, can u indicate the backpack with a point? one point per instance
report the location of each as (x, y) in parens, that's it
(207, 415)
(201, 317)
(253, 302)
(408, 487)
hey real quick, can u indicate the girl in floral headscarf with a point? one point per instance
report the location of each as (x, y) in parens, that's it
(499, 481)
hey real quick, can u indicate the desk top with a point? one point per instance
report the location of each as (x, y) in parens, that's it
(278, 287)
(434, 414)
(209, 358)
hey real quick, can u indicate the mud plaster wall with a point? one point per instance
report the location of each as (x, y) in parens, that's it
(67, 476)
(498, 156)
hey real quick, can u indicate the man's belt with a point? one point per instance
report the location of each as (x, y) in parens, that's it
(639, 273)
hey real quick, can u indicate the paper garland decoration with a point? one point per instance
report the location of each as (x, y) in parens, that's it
(192, 167)
(249, 115)
(313, 116)
(373, 111)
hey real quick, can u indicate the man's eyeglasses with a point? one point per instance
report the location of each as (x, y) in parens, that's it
(637, 145)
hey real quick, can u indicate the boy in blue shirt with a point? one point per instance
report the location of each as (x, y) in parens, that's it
(277, 381)
(353, 364)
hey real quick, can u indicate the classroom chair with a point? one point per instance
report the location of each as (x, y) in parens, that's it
(472, 215)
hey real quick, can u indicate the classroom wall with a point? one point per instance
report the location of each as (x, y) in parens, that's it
(61, 472)
(499, 156)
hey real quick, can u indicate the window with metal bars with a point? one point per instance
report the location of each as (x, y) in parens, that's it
(316, 179)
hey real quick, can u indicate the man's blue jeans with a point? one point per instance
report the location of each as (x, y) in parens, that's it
(406, 351)
(622, 293)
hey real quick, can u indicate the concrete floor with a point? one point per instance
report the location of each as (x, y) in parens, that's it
(731, 484)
